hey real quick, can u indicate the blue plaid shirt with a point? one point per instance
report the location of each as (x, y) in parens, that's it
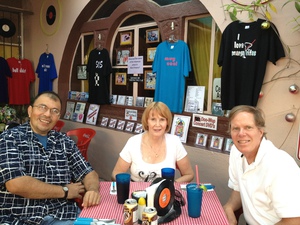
(21, 154)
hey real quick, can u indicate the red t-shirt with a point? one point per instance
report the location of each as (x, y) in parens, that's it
(19, 84)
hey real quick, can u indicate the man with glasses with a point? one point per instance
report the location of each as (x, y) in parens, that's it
(42, 171)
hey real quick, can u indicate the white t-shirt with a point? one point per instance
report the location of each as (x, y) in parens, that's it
(269, 187)
(142, 171)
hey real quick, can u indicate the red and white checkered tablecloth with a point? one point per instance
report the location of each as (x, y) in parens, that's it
(212, 212)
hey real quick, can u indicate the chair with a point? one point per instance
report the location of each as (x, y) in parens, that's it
(59, 124)
(84, 137)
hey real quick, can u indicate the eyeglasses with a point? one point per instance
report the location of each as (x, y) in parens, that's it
(44, 108)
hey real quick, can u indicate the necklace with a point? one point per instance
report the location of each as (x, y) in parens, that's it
(158, 151)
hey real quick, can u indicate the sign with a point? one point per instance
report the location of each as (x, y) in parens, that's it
(138, 78)
(135, 65)
(205, 122)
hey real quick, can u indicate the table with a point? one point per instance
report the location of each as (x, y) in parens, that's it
(212, 211)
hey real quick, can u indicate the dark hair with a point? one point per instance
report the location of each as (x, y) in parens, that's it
(51, 94)
(257, 113)
(162, 109)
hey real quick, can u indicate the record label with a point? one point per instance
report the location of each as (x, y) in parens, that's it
(7, 28)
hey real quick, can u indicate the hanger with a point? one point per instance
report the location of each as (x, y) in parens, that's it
(172, 38)
(99, 47)
(47, 51)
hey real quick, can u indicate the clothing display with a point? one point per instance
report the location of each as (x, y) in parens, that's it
(244, 52)
(142, 171)
(46, 71)
(19, 83)
(269, 186)
(4, 74)
(171, 65)
(99, 70)
(60, 163)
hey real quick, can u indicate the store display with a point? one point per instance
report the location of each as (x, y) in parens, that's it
(46, 71)
(172, 65)
(99, 70)
(244, 52)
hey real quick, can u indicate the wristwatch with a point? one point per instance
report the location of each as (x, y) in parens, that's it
(66, 190)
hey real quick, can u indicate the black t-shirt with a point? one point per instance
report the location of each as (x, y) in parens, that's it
(244, 52)
(99, 69)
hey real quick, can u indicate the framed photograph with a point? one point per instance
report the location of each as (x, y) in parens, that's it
(228, 144)
(139, 102)
(216, 142)
(121, 100)
(82, 72)
(152, 35)
(148, 101)
(104, 121)
(112, 123)
(120, 78)
(149, 80)
(201, 139)
(121, 125)
(92, 115)
(129, 126)
(180, 126)
(126, 38)
(138, 128)
(122, 56)
(131, 114)
(150, 54)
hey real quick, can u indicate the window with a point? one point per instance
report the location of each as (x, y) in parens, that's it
(203, 38)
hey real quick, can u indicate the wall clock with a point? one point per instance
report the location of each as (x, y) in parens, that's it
(50, 16)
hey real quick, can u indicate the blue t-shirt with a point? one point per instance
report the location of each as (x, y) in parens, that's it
(46, 71)
(171, 65)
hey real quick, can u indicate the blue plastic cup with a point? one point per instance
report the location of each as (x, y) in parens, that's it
(168, 173)
(194, 199)
(123, 185)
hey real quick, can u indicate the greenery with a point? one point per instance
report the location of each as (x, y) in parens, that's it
(7, 114)
(261, 7)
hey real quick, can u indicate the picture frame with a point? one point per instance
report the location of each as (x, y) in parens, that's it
(92, 114)
(228, 144)
(129, 126)
(122, 55)
(149, 80)
(180, 126)
(201, 139)
(120, 78)
(216, 142)
(152, 35)
(120, 125)
(126, 38)
(82, 72)
(151, 54)
(112, 123)
(138, 128)
(104, 121)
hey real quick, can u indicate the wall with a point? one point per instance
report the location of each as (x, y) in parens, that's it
(276, 102)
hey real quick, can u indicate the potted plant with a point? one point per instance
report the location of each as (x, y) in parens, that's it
(7, 115)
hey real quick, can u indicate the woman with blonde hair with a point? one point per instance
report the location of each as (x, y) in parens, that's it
(147, 153)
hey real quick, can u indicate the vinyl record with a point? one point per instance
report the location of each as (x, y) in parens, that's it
(7, 28)
(51, 15)
(164, 197)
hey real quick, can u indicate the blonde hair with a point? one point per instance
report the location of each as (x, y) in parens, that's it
(162, 110)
